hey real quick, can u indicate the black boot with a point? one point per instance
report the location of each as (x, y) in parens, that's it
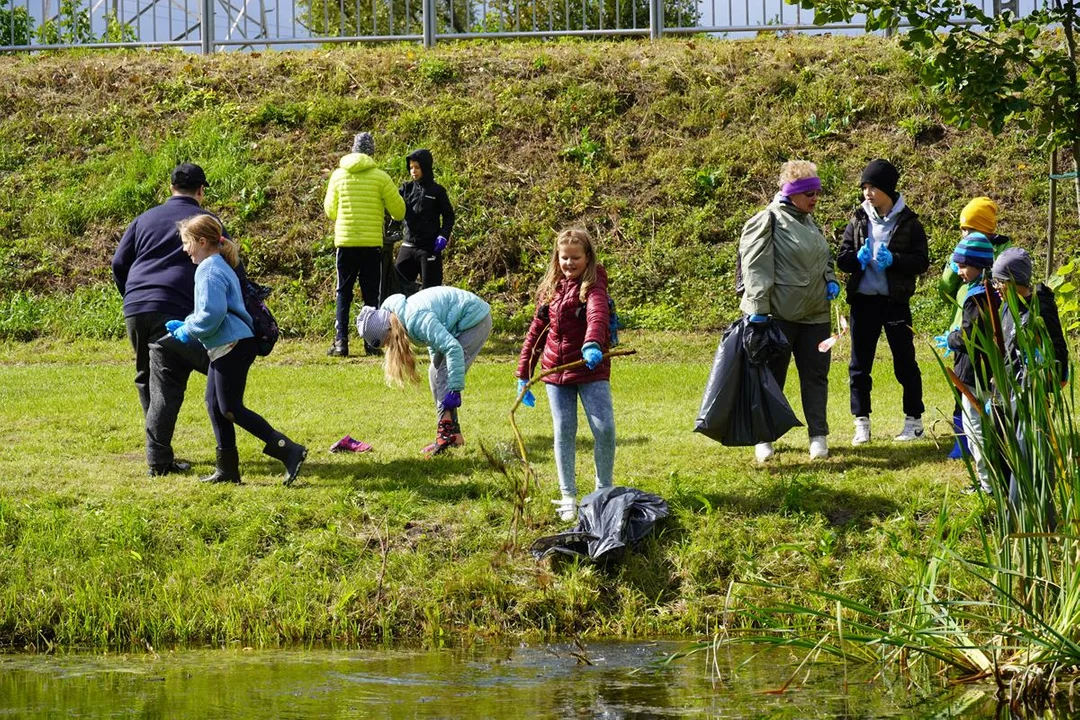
(292, 454)
(228, 467)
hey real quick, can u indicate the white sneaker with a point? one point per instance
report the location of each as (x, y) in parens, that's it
(819, 448)
(913, 430)
(763, 451)
(566, 508)
(862, 430)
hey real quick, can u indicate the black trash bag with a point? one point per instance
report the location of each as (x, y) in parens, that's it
(743, 405)
(610, 520)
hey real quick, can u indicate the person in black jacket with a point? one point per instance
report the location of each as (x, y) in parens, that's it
(974, 256)
(429, 219)
(884, 249)
(157, 281)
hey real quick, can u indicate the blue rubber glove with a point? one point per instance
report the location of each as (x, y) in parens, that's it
(592, 355)
(883, 257)
(440, 243)
(528, 400)
(942, 343)
(954, 267)
(759, 318)
(864, 256)
(832, 290)
(451, 400)
(177, 329)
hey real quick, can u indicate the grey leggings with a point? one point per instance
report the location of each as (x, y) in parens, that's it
(471, 341)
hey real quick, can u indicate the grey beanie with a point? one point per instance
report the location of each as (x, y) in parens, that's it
(1013, 264)
(373, 324)
(363, 143)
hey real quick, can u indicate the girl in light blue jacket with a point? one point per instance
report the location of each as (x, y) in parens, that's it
(453, 324)
(222, 324)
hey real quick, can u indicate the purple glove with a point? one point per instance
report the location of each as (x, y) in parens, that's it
(440, 243)
(452, 400)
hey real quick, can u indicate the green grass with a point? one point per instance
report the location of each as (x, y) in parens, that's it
(387, 546)
(662, 149)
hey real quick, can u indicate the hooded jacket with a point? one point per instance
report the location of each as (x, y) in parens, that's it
(435, 317)
(976, 329)
(428, 212)
(907, 243)
(1048, 311)
(564, 325)
(786, 263)
(357, 196)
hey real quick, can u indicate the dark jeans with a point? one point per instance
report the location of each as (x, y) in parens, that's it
(161, 379)
(870, 314)
(363, 264)
(413, 261)
(225, 384)
(813, 369)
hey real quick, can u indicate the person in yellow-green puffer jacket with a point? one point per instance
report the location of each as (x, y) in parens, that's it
(358, 197)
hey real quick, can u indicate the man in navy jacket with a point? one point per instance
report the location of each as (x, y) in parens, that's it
(157, 281)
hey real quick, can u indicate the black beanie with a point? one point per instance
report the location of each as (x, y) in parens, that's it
(882, 175)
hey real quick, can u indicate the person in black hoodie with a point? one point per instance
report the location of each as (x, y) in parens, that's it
(884, 249)
(156, 278)
(429, 219)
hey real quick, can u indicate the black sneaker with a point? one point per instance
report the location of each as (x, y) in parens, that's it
(176, 466)
(340, 348)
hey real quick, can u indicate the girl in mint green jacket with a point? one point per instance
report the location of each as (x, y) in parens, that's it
(453, 324)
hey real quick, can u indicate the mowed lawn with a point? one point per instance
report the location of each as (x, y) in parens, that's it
(389, 546)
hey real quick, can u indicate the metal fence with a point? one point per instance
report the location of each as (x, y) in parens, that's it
(208, 25)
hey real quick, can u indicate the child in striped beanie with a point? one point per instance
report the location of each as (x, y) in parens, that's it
(974, 256)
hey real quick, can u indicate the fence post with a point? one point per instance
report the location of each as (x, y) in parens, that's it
(206, 30)
(428, 19)
(656, 19)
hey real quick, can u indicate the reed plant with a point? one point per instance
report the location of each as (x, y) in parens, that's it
(1018, 624)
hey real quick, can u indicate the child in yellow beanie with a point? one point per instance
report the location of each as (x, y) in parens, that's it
(980, 215)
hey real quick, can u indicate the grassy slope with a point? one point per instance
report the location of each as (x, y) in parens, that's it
(663, 149)
(92, 553)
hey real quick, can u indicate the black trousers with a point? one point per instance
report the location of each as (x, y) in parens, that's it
(813, 369)
(413, 261)
(225, 385)
(363, 264)
(161, 379)
(870, 314)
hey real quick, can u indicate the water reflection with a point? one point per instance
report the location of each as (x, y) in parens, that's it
(539, 681)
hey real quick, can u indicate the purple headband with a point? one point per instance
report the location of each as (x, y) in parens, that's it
(801, 185)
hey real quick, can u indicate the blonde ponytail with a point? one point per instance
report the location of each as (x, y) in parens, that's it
(399, 362)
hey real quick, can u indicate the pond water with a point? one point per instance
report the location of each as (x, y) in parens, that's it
(530, 681)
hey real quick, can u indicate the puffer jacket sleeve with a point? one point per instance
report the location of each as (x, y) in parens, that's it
(392, 200)
(597, 314)
(847, 255)
(330, 202)
(530, 353)
(915, 258)
(758, 264)
(446, 213)
(427, 328)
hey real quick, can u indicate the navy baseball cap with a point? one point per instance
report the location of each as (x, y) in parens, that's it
(189, 176)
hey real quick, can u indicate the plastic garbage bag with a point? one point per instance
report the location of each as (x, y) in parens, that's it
(743, 405)
(610, 520)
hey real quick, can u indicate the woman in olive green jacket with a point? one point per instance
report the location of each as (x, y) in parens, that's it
(787, 273)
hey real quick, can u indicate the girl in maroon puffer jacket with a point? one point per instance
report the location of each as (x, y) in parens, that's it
(572, 324)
